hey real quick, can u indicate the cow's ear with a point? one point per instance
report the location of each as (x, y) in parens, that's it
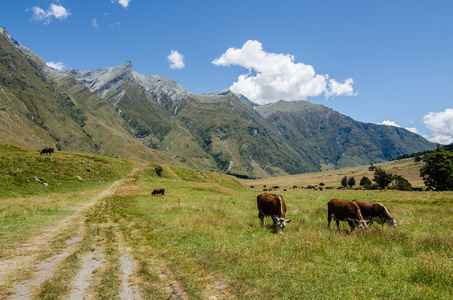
(287, 221)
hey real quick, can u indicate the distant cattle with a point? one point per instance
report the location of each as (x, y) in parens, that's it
(47, 151)
(271, 205)
(157, 192)
(375, 211)
(344, 210)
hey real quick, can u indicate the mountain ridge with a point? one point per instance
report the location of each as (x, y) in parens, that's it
(116, 111)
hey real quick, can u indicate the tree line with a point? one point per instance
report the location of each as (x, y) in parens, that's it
(437, 173)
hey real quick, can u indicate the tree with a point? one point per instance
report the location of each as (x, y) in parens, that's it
(401, 183)
(437, 173)
(382, 178)
(351, 181)
(365, 181)
(344, 181)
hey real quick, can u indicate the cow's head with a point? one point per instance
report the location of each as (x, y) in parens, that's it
(362, 224)
(390, 222)
(281, 224)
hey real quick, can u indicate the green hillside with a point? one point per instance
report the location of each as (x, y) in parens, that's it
(117, 112)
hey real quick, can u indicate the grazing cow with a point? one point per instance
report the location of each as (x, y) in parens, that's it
(344, 210)
(375, 211)
(158, 192)
(47, 151)
(272, 205)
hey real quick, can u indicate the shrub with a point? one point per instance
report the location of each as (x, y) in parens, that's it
(351, 181)
(159, 171)
(365, 181)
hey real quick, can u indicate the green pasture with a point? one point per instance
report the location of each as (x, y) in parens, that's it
(207, 226)
(216, 231)
(38, 190)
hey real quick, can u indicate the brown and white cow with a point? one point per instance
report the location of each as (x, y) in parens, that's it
(271, 205)
(344, 210)
(375, 211)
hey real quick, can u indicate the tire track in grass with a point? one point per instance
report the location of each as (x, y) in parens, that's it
(27, 256)
(86, 283)
(90, 263)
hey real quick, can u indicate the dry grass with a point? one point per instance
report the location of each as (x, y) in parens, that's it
(408, 169)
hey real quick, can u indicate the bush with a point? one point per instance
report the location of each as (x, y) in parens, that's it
(159, 171)
(365, 181)
(351, 181)
(401, 184)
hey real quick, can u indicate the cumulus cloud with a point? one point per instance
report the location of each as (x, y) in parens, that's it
(441, 126)
(56, 65)
(275, 76)
(391, 123)
(176, 60)
(54, 11)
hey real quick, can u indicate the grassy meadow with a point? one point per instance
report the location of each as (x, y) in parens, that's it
(216, 231)
(206, 231)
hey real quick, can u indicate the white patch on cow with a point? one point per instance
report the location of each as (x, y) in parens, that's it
(281, 205)
(281, 224)
(385, 208)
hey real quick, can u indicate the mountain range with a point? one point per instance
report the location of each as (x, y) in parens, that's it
(118, 112)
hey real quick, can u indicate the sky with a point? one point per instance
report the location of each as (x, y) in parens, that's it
(385, 62)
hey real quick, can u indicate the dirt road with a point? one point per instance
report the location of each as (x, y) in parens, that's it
(84, 256)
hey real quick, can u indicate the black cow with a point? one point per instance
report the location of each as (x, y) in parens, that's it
(157, 192)
(47, 151)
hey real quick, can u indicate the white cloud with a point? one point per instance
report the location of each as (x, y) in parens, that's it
(54, 11)
(94, 23)
(275, 76)
(412, 129)
(56, 65)
(441, 126)
(391, 123)
(124, 3)
(176, 60)
(115, 25)
(388, 122)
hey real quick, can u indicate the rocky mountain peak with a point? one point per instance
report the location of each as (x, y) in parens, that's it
(24, 50)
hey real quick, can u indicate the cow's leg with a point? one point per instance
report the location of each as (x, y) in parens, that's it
(329, 218)
(274, 219)
(338, 224)
(352, 225)
(261, 216)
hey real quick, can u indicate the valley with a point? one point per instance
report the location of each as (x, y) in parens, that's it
(202, 240)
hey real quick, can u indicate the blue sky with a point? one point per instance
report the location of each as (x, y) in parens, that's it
(375, 61)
